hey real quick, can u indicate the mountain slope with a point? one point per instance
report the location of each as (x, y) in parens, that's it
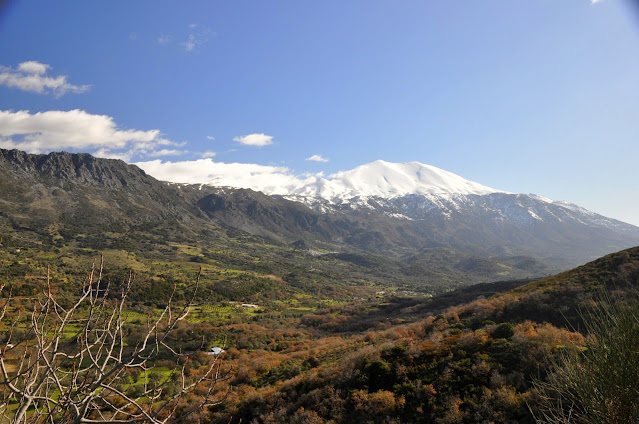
(448, 210)
(474, 362)
(61, 195)
(560, 299)
(492, 225)
(504, 223)
(395, 207)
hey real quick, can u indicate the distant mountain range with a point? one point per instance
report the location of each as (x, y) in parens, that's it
(391, 207)
(410, 212)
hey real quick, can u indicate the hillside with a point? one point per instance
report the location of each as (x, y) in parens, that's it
(472, 363)
(61, 197)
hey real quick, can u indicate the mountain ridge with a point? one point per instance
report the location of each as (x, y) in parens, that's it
(71, 192)
(415, 191)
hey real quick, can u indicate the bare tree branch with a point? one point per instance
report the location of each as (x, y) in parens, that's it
(86, 378)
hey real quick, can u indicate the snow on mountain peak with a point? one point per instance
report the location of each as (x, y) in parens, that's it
(388, 180)
(379, 178)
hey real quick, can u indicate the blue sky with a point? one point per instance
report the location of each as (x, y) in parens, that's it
(536, 96)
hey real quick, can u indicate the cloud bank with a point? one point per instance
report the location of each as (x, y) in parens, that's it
(76, 131)
(32, 76)
(268, 179)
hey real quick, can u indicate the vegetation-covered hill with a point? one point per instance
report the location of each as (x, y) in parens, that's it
(473, 363)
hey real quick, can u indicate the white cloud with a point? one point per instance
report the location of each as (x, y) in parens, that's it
(77, 130)
(210, 137)
(33, 67)
(317, 158)
(595, 1)
(256, 139)
(208, 154)
(105, 153)
(31, 76)
(269, 179)
(164, 39)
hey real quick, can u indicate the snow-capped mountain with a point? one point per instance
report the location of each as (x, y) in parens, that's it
(383, 208)
(446, 208)
(415, 190)
(388, 180)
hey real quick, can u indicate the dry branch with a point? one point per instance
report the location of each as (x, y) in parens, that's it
(86, 379)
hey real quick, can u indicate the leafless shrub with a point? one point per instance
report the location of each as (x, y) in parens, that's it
(73, 364)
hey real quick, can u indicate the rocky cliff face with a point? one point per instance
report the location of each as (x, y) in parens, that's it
(77, 193)
(68, 168)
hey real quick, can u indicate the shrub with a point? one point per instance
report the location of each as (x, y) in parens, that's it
(598, 382)
(504, 330)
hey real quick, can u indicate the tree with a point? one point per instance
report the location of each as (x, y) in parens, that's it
(598, 382)
(73, 364)
(504, 330)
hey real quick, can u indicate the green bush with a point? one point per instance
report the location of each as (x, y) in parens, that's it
(504, 330)
(597, 383)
